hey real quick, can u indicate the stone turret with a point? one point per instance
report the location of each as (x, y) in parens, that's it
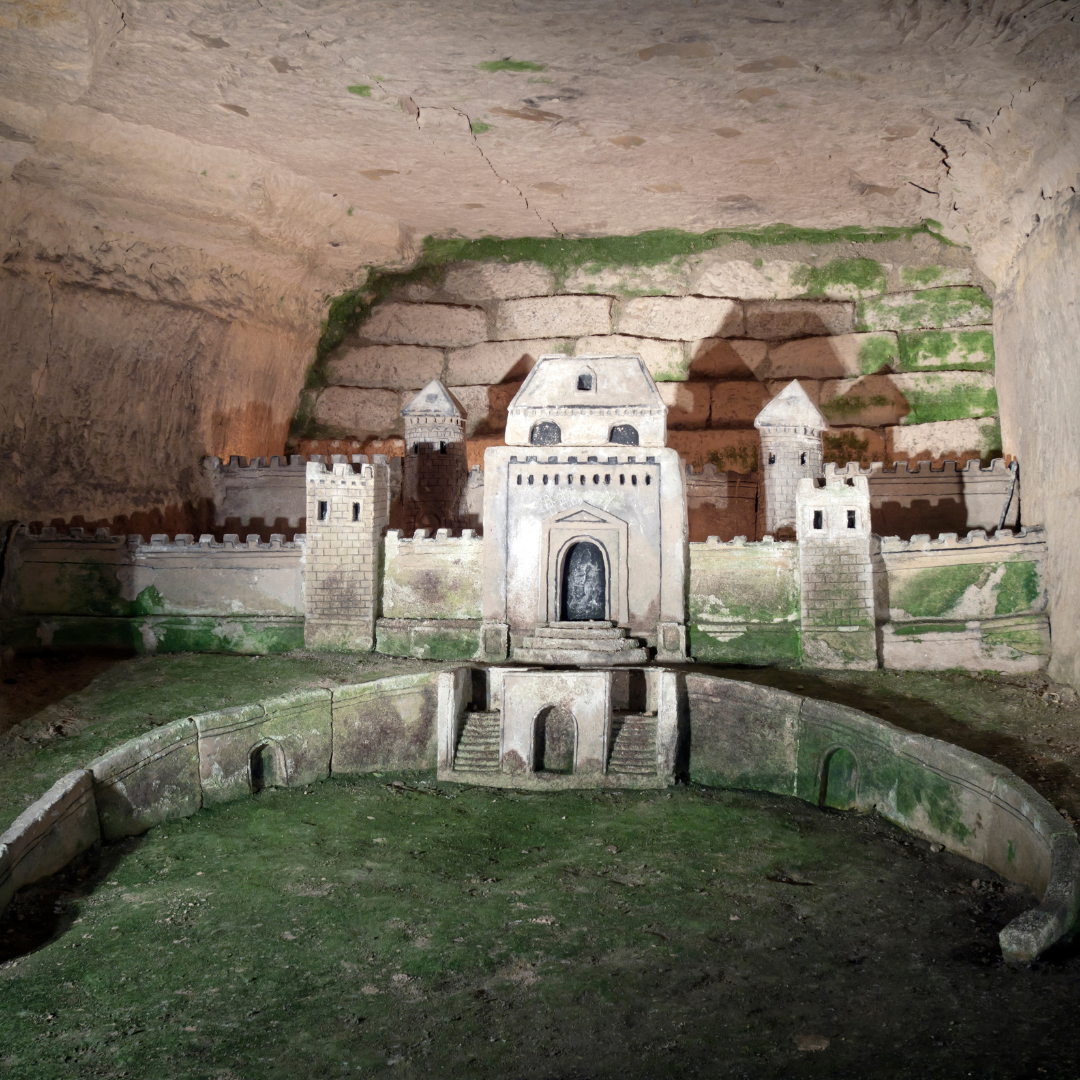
(790, 427)
(436, 471)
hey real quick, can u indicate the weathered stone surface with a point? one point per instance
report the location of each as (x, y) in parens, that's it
(925, 277)
(49, 833)
(736, 450)
(147, 780)
(947, 395)
(472, 283)
(498, 361)
(831, 357)
(670, 279)
(775, 279)
(797, 318)
(681, 318)
(349, 410)
(444, 325)
(666, 360)
(869, 401)
(843, 444)
(959, 440)
(395, 367)
(485, 406)
(688, 403)
(722, 358)
(290, 735)
(551, 316)
(973, 349)
(735, 404)
(926, 308)
(385, 724)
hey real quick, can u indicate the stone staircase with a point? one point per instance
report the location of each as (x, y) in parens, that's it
(633, 745)
(580, 644)
(478, 745)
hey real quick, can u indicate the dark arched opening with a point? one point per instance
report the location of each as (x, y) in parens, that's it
(840, 781)
(267, 765)
(554, 736)
(546, 433)
(584, 584)
(624, 434)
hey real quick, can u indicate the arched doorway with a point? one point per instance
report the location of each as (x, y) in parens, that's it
(840, 780)
(546, 433)
(267, 765)
(584, 584)
(624, 434)
(554, 740)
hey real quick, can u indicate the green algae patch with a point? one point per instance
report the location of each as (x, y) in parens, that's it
(925, 309)
(936, 591)
(962, 350)
(1019, 587)
(877, 353)
(845, 447)
(508, 64)
(360, 90)
(478, 127)
(920, 791)
(430, 639)
(757, 643)
(948, 396)
(149, 601)
(842, 279)
(921, 628)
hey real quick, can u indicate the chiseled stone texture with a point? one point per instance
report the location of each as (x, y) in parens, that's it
(831, 357)
(485, 406)
(477, 281)
(445, 325)
(498, 361)
(922, 350)
(775, 279)
(868, 401)
(959, 440)
(797, 318)
(925, 309)
(666, 360)
(736, 450)
(360, 412)
(388, 724)
(147, 780)
(681, 318)
(735, 404)
(550, 316)
(724, 358)
(395, 367)
(688, 403)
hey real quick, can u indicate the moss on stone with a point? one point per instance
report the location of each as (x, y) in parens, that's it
(759, 644)
(962, 350)
(1019, 587)
(936, 591)
(921, 791)
(876, 354)
(849, 279)
(925, 309)
(948, 401)
(360, 90)
(840, 449)
(478, 127)
(508, 64)
(918, 629)
(149, 602)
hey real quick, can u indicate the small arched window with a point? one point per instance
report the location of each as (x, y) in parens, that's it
(546, 433)
(624, 435)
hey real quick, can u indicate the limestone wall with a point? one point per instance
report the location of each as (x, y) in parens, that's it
(432, 577)
(892, 341)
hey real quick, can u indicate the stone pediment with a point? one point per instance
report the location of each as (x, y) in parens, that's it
(584, 514)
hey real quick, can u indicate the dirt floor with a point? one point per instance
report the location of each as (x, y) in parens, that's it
(392, 925)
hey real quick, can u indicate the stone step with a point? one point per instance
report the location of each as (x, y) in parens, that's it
(633, 745)
(611, 645)
(578, 632)
(579, 657)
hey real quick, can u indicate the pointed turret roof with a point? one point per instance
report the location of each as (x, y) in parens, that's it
(433, 400)
(791, 408)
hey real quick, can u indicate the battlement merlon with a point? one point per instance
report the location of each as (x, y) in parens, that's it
(1033, 538)
(423, 536)
(238, 464)
(998, 467)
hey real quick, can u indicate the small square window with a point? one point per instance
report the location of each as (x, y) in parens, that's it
(322, 510)
(851, 519)
(356, 511)
(584, 382)
(818, 519)
(772, 459)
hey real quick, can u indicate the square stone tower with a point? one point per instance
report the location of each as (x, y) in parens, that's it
(435, 471)
(790, 427)
(839, 628)
(348, 508)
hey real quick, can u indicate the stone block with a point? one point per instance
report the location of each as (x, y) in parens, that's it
(682, 318)
(498, 361)
(474, 282)
(551, 316)
(664, 279)
(735, 404)
(924, 277)
(870, 401)
(360, 413)
(811, 387)
(928, 309)
(148, 780)
(721, 358)
(781, 319)
(861, 444)
(972, 350)
(441, 325)
(831, 357)
(396, 367)
(713, 275)
(933, 397)
(958, 440)
(485, 406)
(736, 450)
(49, 833)
(386, 724)
(688, 403)
(666, 360)
(286, 739)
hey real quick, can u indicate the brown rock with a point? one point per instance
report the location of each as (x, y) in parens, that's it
(396, 367)
(726, 359)
(551, 316)
(425, 324)
(687, 402)
(782, 319)
(735, 404)
(496, 361)
(360, 413)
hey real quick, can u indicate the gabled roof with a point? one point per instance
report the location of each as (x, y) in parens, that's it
(791, 408)
(433, 400)
(618, 382)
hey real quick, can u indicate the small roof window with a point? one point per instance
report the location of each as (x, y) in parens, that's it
(585, 381)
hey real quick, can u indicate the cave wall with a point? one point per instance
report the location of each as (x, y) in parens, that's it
(1037, 330)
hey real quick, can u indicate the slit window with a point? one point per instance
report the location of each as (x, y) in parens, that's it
(818, 517)
(633, 479)
(545, 478)
(519, 479)
(556, 479)
(648, 480)
(596, 478)
(582, 479)
(622, 478)
(356, 511)
(584, 382)
(322, 510)
(607, 478)
(442, 448)
(802, 458)
(531, 478)
(851, 519)
(772, 459)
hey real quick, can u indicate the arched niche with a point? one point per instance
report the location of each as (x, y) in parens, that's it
(839, 780)
(266, 764)
(554, 740)
(583, 590)
(545, 433)
(624, 435)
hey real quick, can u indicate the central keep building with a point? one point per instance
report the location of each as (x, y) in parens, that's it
(584, 516)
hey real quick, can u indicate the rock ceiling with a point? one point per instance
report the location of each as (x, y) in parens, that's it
(254, 156)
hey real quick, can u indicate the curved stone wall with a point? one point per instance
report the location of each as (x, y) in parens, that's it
(739, 735)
